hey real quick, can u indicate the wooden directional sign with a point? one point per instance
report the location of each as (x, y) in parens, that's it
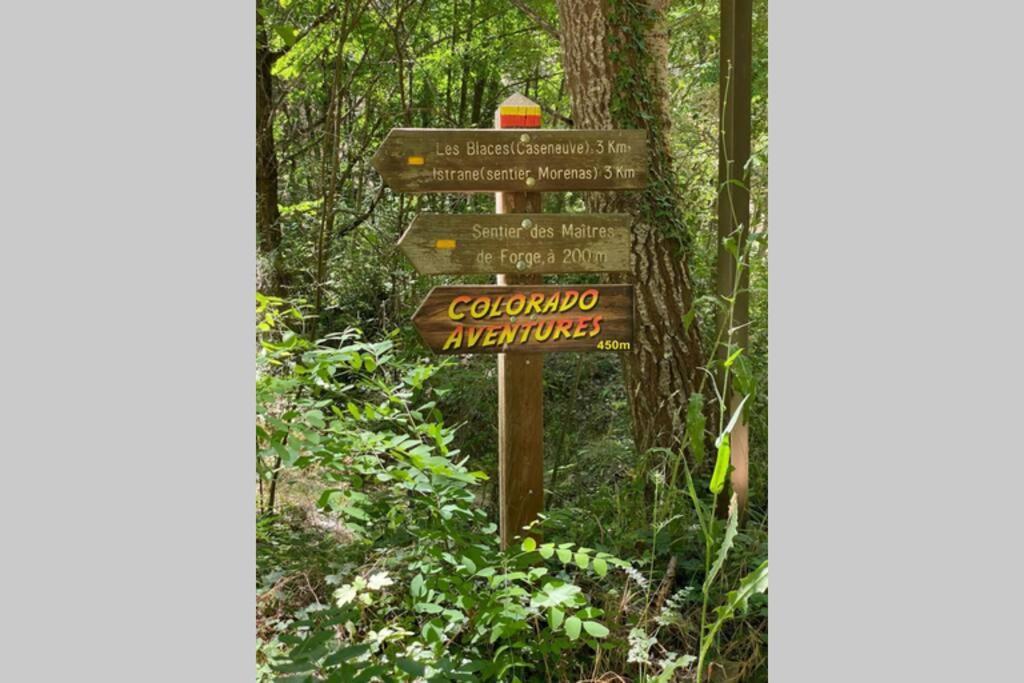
(523, 243)
(526, 318)
(472, 160)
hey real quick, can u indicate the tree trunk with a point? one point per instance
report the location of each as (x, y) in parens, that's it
(268, 217)
(329, 180)
(615, 55)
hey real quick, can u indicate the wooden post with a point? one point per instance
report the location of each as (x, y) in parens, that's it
(520, 381)
(735, 64)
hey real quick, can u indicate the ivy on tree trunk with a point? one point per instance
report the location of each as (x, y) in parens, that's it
(615, 57)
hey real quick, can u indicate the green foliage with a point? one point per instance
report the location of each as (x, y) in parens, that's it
(423, 577)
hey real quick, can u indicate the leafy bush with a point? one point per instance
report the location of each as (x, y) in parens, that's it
(424, 591)
(418, 588)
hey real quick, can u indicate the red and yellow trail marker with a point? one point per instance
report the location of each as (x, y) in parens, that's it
(518, 112)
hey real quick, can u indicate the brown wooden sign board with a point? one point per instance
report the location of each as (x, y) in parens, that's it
(526, 318)
(474, 160)
(518, 243)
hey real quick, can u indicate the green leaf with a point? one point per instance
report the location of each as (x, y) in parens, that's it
(354, 410)
(555, 594)
(721, 465)
(600, 566)
(555, 617)
(595, 629)
(429, 608)
(732, 358)
(688, 318)
(416, 588)
(671, 664)
(572, 627)
(529, 545)
(735, 417)
(582, 560)
(727, 540)
(410, 666)
(287, 34)
(547, 550)
(346, 653)
(736, 601)
(564, 555)
(750, 585)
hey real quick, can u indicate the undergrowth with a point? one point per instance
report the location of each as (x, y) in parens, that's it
(383, 565)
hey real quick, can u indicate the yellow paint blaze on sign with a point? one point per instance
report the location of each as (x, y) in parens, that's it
(514, 110)
(445, 244)
(415, 161)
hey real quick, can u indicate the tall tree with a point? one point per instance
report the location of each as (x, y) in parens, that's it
(615, 54)
(268, 216)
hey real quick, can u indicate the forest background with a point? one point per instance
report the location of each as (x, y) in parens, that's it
(377, 555)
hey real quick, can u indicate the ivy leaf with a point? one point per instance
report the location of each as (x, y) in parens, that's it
(344, 595)
(572, 627)
(379, 580)
(688, 318)
(595, 629)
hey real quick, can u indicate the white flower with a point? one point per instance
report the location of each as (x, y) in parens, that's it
(639, 646)
(634, 574)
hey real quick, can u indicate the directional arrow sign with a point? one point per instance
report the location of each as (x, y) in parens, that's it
(526, 243)
(471, 160)
(526, 318)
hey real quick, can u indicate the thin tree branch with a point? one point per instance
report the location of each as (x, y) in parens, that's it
(361, 218)
(534, 16)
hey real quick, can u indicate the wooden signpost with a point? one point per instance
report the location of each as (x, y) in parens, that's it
(519, 318)
(528, 243)
(526, 318)
(471, 160)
